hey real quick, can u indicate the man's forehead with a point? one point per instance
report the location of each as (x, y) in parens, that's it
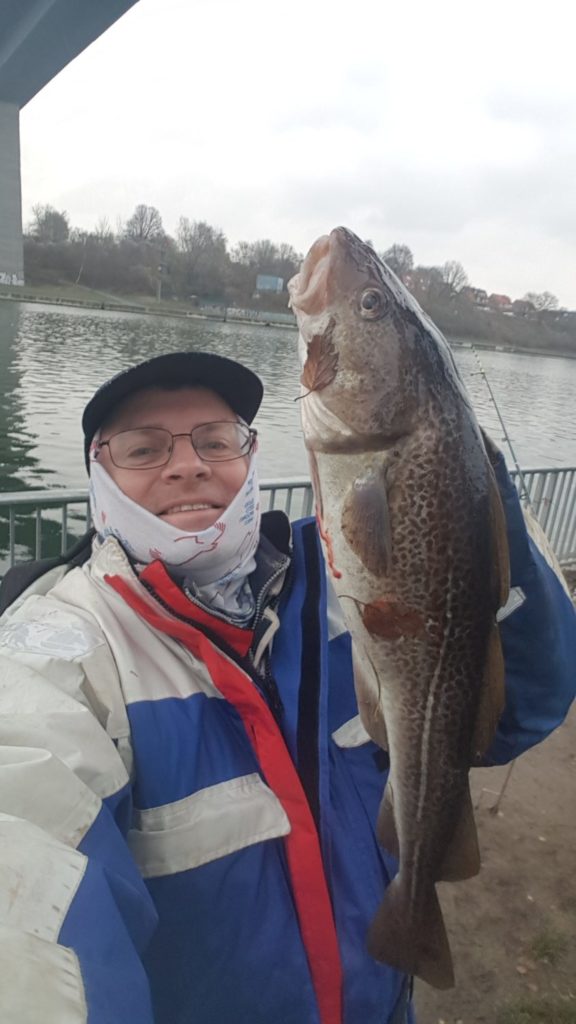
(160, 401)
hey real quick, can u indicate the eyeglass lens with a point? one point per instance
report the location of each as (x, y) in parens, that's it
(152, 446)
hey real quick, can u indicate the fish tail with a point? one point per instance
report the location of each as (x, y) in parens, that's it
(413, 943)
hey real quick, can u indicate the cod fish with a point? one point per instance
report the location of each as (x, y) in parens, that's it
(415, 539)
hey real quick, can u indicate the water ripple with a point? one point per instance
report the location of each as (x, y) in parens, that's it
(53, 359)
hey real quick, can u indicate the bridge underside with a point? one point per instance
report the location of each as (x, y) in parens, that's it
(37, 39)
(11, 254)
(40, 37)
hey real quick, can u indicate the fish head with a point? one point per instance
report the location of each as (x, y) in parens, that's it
(365, 346)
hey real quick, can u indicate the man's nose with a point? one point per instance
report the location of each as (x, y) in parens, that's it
(184, 459)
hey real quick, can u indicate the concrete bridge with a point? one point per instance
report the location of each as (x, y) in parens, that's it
(37, 39)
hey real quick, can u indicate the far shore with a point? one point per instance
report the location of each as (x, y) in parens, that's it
(91, 300)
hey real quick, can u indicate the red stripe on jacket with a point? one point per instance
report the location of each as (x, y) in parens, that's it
(236, 637)
(303, 852)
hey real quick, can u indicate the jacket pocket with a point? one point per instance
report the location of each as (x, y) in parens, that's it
(351, 734)
(209, 824)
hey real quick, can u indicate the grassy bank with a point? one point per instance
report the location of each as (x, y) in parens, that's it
(90, 298)
(485, 328)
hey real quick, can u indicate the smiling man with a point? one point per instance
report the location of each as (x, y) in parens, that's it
(188, 489)
(172, 472)
(188, 801)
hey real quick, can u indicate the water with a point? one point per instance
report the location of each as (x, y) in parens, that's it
(52, 360)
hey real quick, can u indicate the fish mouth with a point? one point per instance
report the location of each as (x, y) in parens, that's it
(313, 288)
(309, 288)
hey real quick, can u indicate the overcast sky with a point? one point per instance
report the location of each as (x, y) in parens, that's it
(448, 126)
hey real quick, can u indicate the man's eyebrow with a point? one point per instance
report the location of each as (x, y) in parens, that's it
(142, 426)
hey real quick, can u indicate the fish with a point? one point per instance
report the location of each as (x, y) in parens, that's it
(415, 541)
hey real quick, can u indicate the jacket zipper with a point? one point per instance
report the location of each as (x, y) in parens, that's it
(265, 684)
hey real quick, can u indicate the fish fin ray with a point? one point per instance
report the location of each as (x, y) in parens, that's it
(462, 857)
(500, 550)
(386, 827)
(416, 944)
(492, 449)
(492, 699)
(368, 698)
(366, 522)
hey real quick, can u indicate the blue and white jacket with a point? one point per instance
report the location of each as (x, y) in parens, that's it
(186, 839)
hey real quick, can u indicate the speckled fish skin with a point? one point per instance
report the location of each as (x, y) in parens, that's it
(415, 540)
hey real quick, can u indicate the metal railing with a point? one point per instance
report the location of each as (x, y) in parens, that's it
(36, 524)
(552, 497)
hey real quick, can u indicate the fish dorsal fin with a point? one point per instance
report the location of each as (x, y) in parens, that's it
(492, 694)
(500, 553)
(462, 858)
(492, 699)
(366, 521)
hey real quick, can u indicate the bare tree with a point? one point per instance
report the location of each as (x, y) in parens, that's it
(49, 225)
(204, 258)
(454, 275)
(266, 257)
(103, 230)
(427, 284)
(145, 224)
(542, 301)
(399, 258)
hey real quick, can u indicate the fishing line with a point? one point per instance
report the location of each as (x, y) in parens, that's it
(524, 495)
(495, 809)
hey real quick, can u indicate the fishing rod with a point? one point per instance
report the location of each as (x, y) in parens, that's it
(524, 492)
(495, 808)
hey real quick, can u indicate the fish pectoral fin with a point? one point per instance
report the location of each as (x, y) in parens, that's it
(366, 522)
(386, 826)
(492, 699)
(415, 943)
(462, 858)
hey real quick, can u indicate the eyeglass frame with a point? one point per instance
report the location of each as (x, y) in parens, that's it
(252, 435)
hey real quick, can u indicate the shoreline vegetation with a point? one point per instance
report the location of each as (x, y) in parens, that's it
(482, 328)
(139, 268)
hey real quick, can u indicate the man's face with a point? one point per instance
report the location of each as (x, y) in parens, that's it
(185, 480)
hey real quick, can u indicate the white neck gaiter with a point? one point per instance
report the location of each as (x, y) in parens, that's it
(214, 564)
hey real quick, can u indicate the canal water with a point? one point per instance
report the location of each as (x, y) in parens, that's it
(52, 359)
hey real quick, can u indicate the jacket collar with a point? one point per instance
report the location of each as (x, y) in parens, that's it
(272, 562)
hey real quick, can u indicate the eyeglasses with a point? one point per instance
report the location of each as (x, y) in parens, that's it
(151, 447)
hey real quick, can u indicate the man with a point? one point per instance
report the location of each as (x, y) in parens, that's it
(188, 800)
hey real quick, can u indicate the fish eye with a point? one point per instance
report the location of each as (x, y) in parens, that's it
(372, 304)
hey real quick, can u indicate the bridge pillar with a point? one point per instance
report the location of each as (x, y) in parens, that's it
(11, 249)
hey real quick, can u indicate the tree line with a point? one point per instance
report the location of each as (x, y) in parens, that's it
(197, 262)
(139, 258)
(447, 282)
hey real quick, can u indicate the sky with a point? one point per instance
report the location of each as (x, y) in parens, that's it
(446, 126)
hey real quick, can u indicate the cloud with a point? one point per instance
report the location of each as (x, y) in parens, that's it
(401, 121)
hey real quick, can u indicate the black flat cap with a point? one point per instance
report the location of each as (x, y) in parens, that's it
(237, 385)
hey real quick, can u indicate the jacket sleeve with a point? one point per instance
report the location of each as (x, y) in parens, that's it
(538, 633)
(74, 912)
